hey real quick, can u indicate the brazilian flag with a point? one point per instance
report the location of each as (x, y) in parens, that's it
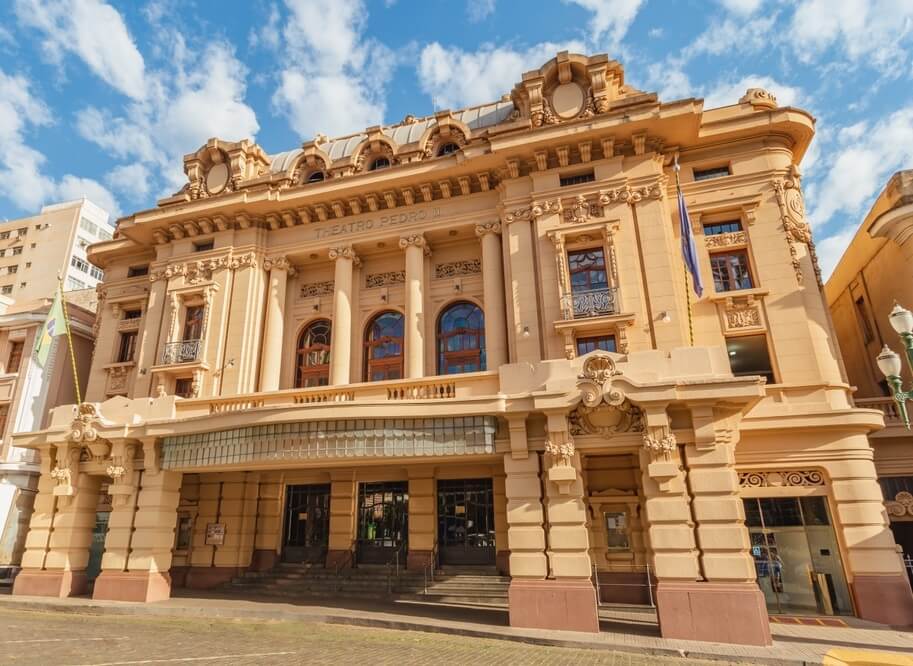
(53, 326)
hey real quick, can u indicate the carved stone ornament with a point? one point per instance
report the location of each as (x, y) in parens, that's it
(488, 228)
(413, 240)
(901, 506)
(759, 98)
(82, 429)
(595, 382)
(533, 212)
(730, 239)
(278, 263)
(312, 289)
(604, 409)
(561, 451)
(632, 195)
(344, 252)
(195, 272)
(659, 441)
(66, 470)
(742, 313)
(580, 212)
(795, 227)
(373, 280)
(779, 479)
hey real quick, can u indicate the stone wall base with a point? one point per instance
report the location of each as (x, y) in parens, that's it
(335, 557)
(417, 560)
(50, 583)
(713, 611)
(132, 586)
(263, 560)
(203, 578)
(884, 599)
(625, 587)
(502, 561)
(568, 605)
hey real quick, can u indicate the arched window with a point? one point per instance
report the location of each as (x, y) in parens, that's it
(461, 339)
(312, 361)
(447, 149)
(384, 347)
(379, 163)
(316, 177)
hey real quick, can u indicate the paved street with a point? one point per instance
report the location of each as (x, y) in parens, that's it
(67, 640)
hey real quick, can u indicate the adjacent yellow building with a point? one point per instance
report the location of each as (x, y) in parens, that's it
(464, 342)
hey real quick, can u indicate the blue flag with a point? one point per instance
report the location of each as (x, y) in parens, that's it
(689, 252)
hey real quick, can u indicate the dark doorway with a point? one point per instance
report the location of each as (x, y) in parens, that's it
(383, 522)
(307, 523)
(466, 521)
(97, 547)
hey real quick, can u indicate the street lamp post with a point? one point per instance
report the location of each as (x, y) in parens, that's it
(889, 362)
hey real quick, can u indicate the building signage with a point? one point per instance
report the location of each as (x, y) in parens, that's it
(215, 534)
(382, 222)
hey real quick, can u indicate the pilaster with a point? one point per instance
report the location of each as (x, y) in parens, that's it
(415, 247)
(271, 361)
(493, 295)
(422, 516)
(343, 494)
(147, 345)
(341, 343)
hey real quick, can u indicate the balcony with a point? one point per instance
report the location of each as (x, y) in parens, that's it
(182, 351)
(893, 423)
(590, 303)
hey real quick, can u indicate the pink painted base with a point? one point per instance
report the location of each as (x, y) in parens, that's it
(567, 605)
(716, 612)
(502, 561)
(339, 556)
(141, 586)
(417, 560)
(884, 599)
(263, 560)
(50, 583)
(203, 578)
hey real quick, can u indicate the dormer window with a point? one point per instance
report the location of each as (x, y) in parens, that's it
(316, 177)
(379, 163)
(448, 149)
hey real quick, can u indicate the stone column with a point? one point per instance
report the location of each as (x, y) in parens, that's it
(422, 516)
(124, 488)
(271, 359)
(493, 295)
(60, 531)
(415, 248)
(269, 526)
(341, 336)
(728, 606)
(343, 496)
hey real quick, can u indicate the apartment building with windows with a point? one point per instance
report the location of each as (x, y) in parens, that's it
(466, 340)
(874, 274)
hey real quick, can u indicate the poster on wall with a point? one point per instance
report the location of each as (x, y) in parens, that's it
(215, 534)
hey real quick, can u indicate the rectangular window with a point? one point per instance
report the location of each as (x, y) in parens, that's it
(193, 322)
(6, 289)
(865, 326)
(184, 532)
(712, 172)
(137, 271)
(716, 228)
(203, 246)
(22, 231)
(73, 284)
(28, 264)
(4, 415)
(81, 264)
(748, 355)
(730, 271)
(15, 357)
(183, 387)
(97, 273)
(616, 530)
(132, 314)
(17, 250)
(127, 347)
(12, 269)
(4, 235)
(86, 225)
(577, 179)
(588, 269)
(22, 285)
(601, 342)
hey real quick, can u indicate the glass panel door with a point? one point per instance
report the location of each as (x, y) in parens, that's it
(97, 547)
(307, 523)
(383, 522)
(466, 521)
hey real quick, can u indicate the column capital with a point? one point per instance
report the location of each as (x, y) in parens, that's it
(414, 240)
(280, 263)
(344, 252)
(486, 228)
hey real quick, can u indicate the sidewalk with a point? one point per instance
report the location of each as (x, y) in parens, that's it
(628, 630)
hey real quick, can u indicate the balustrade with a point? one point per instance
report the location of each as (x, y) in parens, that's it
(886, 405)
(182, 351)
(590, 303)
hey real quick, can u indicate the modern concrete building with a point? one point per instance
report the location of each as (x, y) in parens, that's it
(875, 272)
(465, 340)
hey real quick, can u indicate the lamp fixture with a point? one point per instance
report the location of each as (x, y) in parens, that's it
(526, 332)
(889, 362)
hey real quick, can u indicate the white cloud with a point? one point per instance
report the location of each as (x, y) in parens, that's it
(74, 187)
(327, 104)
(670, 82)
(730, 37)
(611, 18)
(132, 180)
(725, 93)
(269, 33)
(831, 248)
(479, 10)
(860, 163)
(742, 7)
(95, 32)
(878, 30)
(455, 78)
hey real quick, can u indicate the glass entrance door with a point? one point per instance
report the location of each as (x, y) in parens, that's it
(466, 521)
(97, 547)
(383, 522)
(796, 555)
(307, 523)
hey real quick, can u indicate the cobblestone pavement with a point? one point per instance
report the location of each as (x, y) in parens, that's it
(30, 637)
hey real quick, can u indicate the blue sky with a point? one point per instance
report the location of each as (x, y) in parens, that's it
(102, 99)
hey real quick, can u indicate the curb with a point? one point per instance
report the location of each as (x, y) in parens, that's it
(224, 613)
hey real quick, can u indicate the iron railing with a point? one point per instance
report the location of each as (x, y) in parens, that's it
(590, 303)
(182, 351)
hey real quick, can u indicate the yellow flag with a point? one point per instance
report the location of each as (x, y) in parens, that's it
(53, 326)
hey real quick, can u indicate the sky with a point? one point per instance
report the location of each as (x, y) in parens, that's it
(103, 99)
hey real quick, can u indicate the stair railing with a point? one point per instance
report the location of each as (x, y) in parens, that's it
(347, 559)
(430, 567)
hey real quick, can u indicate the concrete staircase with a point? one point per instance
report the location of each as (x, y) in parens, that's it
(458, 586)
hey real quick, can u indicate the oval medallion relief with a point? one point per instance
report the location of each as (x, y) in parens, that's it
(567, 100)
(217, 178)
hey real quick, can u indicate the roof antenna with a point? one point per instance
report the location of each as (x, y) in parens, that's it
(434, 104)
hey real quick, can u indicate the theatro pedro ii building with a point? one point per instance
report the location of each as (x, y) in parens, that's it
(464, 340)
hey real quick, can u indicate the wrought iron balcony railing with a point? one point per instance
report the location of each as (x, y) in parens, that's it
(182, 351)
(590, 303)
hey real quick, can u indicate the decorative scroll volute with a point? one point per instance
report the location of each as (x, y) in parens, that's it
(595, 382)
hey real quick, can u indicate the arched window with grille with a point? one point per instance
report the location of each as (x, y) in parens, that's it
(384, 347)
(448, 149)
(312, 360)
(461, 339)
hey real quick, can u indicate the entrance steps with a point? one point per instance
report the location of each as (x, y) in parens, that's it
(474, 586)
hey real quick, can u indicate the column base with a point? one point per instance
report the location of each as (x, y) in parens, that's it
(263, 560)
(141, 586)
(713, 611)
(502, 561)
(884, 599)
(566, 605)
(204, 578)
(417, 560)
(50, 583)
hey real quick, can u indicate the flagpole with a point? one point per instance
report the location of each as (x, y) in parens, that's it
(66, 321)
(678, 190)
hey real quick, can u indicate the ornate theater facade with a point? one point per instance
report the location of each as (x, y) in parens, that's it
(465, 340)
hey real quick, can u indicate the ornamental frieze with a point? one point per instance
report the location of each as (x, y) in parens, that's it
(195, 272)
(729, 239)
(779, 479)
(533, 212)
(385, 279)
(632, 195)
(311, 289)
(901, 506)
(457, 268)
